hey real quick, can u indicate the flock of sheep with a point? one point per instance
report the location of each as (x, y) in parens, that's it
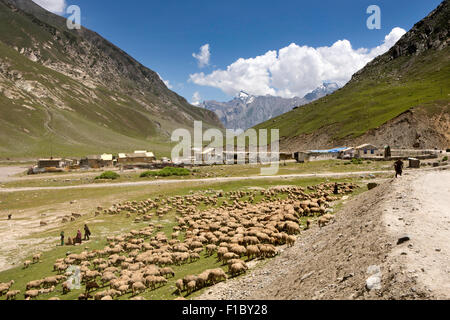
(232, 226)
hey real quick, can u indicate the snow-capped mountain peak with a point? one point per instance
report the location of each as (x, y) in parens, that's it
(245, 97)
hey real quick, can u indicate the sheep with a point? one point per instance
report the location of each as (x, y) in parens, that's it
(26, 264)
(47, 291)
(11, 295)
(210, 248)
(36, 284)
(180, 286)
(238, 268)
(54, 299)
(31, 294)
(138, 298)
(189, 278)
(138, 287)
(4, 287)
(290, 240)
(167, 272)
(191, 287)
(107, 298)
(325, 219)
(217, 275)
(202, 279)
(50, 281)
(37, 257)
(252, 251)
(91, 286)
(66, 288)
(123, 289)
(108, 277)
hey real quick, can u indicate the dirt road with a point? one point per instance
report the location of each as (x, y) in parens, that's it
(205, 180)
(337, 261)
(420, 209)
(7, 172)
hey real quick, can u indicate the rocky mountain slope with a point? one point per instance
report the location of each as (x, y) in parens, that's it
(401, 98)
(246, 111)
(71, 92)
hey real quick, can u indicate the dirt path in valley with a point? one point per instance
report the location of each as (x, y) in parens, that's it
(336, 261)
(203, 180)
(7, 173)
(420, 209)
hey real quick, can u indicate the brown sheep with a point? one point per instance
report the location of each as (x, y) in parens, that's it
(138, 287)
(290, 240)
(167, 272)
(180, 286)
(217, 275)
(238, 268)
(36, 284)
(31, 294)
(190, 287)
(324, 220)
(11, 295)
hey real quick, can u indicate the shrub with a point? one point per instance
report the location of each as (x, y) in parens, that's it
(166, 172)
(108, 175)
(445, 158)
(357, 161)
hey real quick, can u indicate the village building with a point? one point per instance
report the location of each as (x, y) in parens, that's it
(347, 153)
(368, 151)
(138, 157)
(317, 155)
(51, 163)
(98, 161)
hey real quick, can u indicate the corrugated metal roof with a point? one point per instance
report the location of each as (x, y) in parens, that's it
(328, 151)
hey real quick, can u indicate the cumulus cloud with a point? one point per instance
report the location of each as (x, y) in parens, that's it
(203, 56)
(196, 99)
(166, 82)
(55, 6)
(294, 70)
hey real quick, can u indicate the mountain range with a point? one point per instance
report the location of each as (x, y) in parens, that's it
(401, 98)
(72, 92)
(246, 110)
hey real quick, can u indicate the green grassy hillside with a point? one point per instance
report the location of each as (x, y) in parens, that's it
(368, 103)
(72, 93)
(413, 74)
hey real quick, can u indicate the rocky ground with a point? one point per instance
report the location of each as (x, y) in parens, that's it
(359, 256)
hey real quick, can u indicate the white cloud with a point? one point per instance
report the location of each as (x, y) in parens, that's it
(203, 56)
(294, 70)
(166, 82)
(196, 99)
(55, 6)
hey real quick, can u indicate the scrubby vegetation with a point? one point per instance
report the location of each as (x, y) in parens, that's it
(108, 175)
(166, 172)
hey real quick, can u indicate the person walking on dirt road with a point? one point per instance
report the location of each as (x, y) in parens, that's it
(398, 166)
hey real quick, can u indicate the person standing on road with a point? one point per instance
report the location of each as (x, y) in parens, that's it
(87, 232)
(398, 166)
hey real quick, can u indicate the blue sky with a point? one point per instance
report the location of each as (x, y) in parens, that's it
(163, 35)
